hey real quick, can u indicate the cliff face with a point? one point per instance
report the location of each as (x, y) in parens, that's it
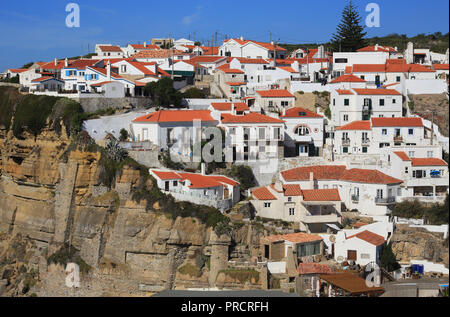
(47, 203)
(419, 244)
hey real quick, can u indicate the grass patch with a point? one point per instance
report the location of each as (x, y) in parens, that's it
(69, 255)
(190, 270)
(242, 275)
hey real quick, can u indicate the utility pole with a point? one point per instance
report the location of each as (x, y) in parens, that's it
(432, 126)
(215, 39)
(270, 37)
(173, 64)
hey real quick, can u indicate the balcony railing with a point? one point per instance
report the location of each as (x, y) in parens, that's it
(384, 201)
(345, 141)
(355, 198)
(365, 141)
(398, 138)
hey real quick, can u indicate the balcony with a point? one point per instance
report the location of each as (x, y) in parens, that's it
(345, 141)
(365, 141)
(384, 201)
(355, 198)
(398, 138)
(330, 218)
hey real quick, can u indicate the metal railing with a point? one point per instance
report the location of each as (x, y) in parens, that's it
(388, 200)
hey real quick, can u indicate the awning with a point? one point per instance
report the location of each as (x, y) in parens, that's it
(333, 226)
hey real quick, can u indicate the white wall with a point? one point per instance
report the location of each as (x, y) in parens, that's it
(426, 86)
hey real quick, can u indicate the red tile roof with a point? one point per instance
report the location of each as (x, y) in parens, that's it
(402, 155)
(226, 106)
(263, 193)
(226, 69)
(397, 122)
(207, 59)
(166, 175)
(368, 176)
(281, 93)
(288, 69)
(161, 53)
(176, 116)
(378, 48)
(292, 190)
(298, 112)
(391, 66)
(18, 70)
(321, 195)
(428, 162)
(348, 78)
(441, 66)
(321, 172)
(299, 237)
(235, 83)
(252, 117)
(244, 60)
(145, 47)
(370, 237)
(356, 125)
(382, 92)
(110, 48)
(268, 46)
(338, 172)
(313, 268)
(102, 83)
(45, 78)
(344, 92)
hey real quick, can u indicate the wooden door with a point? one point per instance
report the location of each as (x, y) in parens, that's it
(351, 255)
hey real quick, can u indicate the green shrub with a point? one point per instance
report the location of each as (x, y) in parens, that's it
(327, 112)
(123, 135)
(9, 97)
(190, 270)
(242, 275)
(194, 93)
(68, 254)
(244, 175)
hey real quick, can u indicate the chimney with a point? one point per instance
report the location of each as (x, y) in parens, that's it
(145, 44)
(66, 62)
(203, 166)
(233, 109)
(311, 180)
(108, 71)
(56, 62)
(242, 38)
(284, 111)
(278, 186)
(376, 47)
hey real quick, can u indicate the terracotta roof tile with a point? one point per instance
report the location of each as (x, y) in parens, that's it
(298, 112)
(226, 106)
(368, 176)
(369, 236)
(299, 237)
(348, 78)
(356, 125)
(313, 268)
(251, 117)
(402, 155)
(428, 162)
(383, 92)
(344, 92)
(397, 122)
(176, 116)
(321, 172)
(321, 195)
(281, 93)
(263, 193)
(292, 190)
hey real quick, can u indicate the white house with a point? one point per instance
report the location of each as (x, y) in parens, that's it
(274, 100)
(341, 60)
(108, 51)
(46, 83)
(133, 49)
(304, 132)
(250, 49)
(253, 135)
(209, 62)
(97, 75)
(217, 191)
(231, 81)
(13, 72)
(363, 247)
(312, 209)
(171, 129)
(371, 192)
(424, 178)
(368, 137)
(349, 105)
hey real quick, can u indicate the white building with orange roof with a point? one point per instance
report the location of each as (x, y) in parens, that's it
(370, 136)
(217, 191)
(251, 49)
(369, 191)
(354, 104)
(425, 177)
(46, 83)
(341, 60)
(133, 49)
(311, 209)
(253, 135)
(231, 81)
(304, 132)
(97, 76)
(172, 129)
(235, 108)
(273, 100)
(108, 51)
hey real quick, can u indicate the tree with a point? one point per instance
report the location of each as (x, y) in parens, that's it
(194, 93)
(244, 174)
(350, 34)
(163, 93)
(123, 135)
(388, 260)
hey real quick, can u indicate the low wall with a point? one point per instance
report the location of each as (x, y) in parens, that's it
(425, 86)
(308, 87)
(276, 267)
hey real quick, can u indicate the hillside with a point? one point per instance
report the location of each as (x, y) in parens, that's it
(437, 42)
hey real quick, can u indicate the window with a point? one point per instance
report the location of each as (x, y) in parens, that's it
(346, 102)
(381, 102)
(341, 60)
(398, 79)
(365, 256)
(325, 186)
(270, 103)
(345, 117)
(335, 186)
(334, 102)
(175, 183)
(285, 103)
(124, 68)
(291, 211)
(276, 133)
(363, 77)
(267, 205)
(399, 191)
(411, 153)
(410, 131)
(394, 100)
(364, 149)
(429, 154)
(289, 199)
(262, 133)
(302, 130)
(384, 131)
(345, 149)
(406, 170)
(379, 193)
(308, 249)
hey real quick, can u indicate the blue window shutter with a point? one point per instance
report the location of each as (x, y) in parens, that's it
(67, 73)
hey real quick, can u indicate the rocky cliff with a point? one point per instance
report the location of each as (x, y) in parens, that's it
(54, 206)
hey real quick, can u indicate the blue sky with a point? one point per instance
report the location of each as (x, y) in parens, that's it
(36, 30)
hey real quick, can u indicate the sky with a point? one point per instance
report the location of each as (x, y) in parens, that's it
(36, 30)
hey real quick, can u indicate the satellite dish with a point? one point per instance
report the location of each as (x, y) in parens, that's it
(332, 238)
(340, 258)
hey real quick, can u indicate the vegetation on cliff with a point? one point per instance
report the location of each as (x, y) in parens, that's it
(437, 214)
(68, 254)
